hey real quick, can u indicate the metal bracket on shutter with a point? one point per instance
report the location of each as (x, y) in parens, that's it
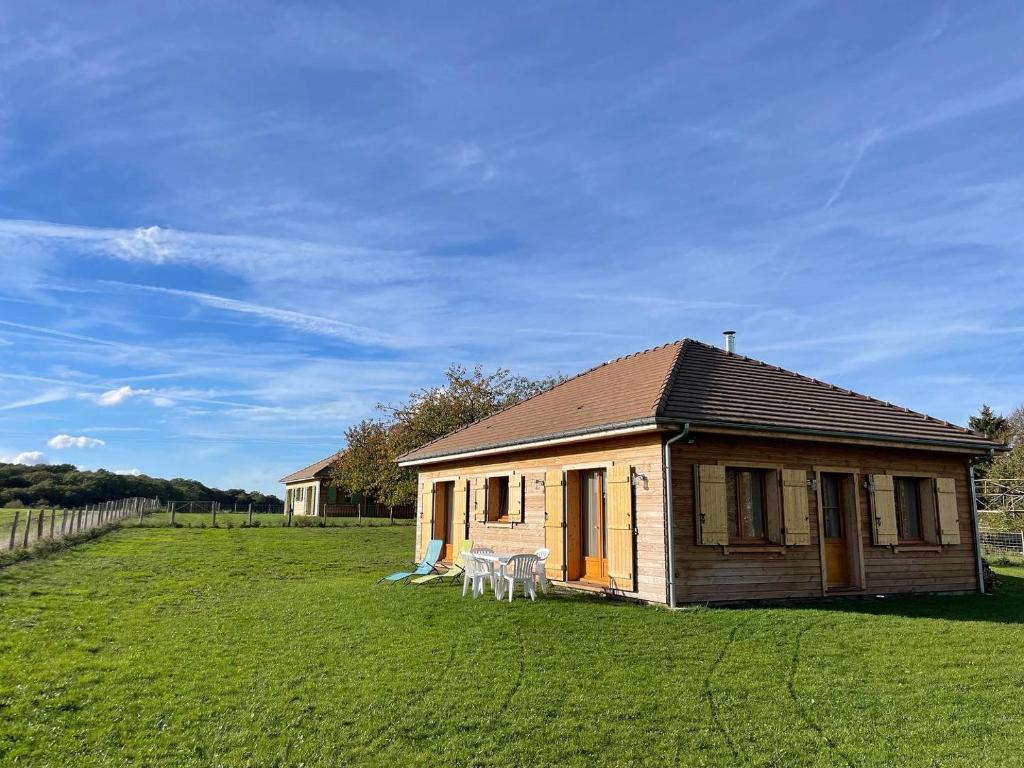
(813, 483)
(637, 478)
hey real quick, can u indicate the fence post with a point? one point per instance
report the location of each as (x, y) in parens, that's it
(14, 527)
(250, 513)
(1022, 543)
(359, 513)
(39, 524)
(391, 514)
(172, 514)
(28, 527)
(53, 520)
(79, 521)
(213, 511)
(63, 522)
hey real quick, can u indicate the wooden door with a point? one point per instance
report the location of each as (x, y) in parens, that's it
(444, 518)
(836, 527)
(594, 538)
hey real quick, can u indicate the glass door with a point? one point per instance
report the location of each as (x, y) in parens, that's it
(595, 560)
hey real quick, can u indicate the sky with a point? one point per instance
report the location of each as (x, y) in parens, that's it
(229, 230)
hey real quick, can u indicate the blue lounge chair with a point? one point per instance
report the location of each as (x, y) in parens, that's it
(427, 566)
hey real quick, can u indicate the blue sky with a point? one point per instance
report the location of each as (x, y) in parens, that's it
(228, 230)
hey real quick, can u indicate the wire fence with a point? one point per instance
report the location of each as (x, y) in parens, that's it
(209, 507)
(28, 527)
(1002, 543)
(25, 528)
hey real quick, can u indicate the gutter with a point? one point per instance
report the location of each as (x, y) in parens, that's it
(907, 441)
(670, 537)
(976, 525)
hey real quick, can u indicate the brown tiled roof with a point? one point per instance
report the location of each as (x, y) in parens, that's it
(312, 471)
(688, 381)
(714, 387)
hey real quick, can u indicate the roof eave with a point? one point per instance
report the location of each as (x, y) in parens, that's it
(556, 438)
(864, 437)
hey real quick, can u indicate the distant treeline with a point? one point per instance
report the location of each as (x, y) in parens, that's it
(62, 485)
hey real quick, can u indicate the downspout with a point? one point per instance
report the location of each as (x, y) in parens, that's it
(975, 523)
(670, 538)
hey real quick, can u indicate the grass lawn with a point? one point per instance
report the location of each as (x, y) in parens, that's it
(272, 647)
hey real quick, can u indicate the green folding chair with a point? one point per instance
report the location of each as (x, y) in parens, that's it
(452, 573)
(428, 565)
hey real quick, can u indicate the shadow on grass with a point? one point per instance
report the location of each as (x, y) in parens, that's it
(1005, 605)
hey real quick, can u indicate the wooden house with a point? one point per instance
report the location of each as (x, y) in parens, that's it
(309, 491)
(688, 473)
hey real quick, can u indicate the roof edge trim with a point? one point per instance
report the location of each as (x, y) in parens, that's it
(590, 433)
(838, 435)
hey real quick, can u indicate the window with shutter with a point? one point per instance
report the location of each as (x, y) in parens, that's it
(746, 493)
(498, 498)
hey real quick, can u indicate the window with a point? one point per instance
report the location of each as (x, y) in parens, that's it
(298, 493)
(908, 508)
(497, 498)
(831, 506)
(746, 491)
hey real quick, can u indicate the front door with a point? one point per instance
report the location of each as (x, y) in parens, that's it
(444, 518)
(595, 558)
(837, 539)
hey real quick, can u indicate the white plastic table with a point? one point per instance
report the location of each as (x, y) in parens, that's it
(501, 561)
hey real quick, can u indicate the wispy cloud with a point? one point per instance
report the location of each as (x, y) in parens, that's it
(323, 326)
(48, 396)
(866, 142)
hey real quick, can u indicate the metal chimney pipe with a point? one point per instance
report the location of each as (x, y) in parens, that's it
(730, 341)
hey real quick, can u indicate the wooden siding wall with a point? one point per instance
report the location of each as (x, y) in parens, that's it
(643, 452)
(706, 573)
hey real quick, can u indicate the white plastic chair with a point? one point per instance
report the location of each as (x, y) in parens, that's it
(520, 569)
(478, 573)
(542, 561)
(483, 550)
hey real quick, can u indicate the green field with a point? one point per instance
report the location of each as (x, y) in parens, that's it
(272, 647)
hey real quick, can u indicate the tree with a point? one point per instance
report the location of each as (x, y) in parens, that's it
(369, 464)
(994, 427)
(65, 485)
(1011, 465)
(988, 423)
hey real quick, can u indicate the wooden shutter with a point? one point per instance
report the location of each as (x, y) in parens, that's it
(949, 524)
(796, 523)
(515, 498)
(480, 499)
(460, 510)
(883, 503)
(332, 495)
(712, 515)
(554, 524)
(573, 525)
(426, 516)
(619, 528)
